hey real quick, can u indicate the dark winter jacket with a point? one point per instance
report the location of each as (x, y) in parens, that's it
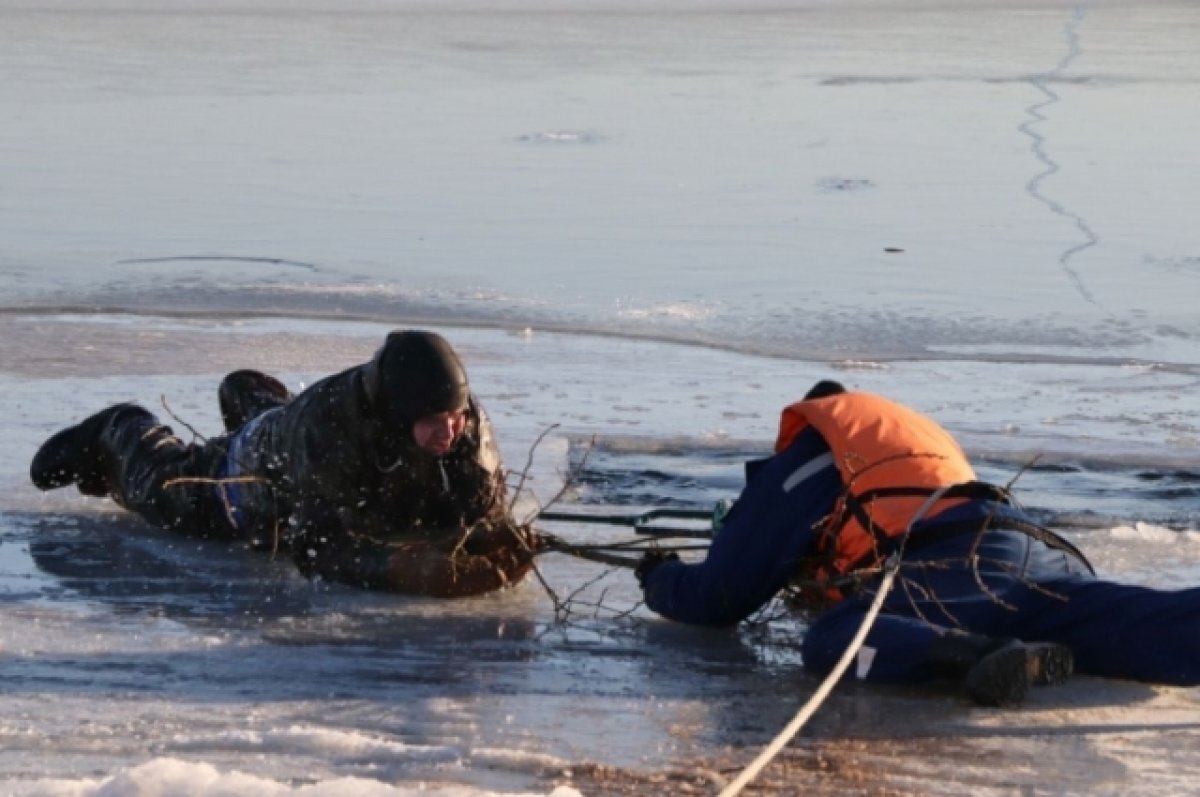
(356, 501)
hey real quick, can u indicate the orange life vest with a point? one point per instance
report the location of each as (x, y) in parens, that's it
(891, 459)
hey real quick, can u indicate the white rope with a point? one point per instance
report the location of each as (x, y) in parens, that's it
(808, 709)
(814, 702)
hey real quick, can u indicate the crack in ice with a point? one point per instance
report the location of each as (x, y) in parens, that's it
(1038, 147)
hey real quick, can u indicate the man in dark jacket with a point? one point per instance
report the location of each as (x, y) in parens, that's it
(983, 593)
(385, 476)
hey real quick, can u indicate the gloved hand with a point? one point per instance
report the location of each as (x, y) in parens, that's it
(489, 536)
(721, 511)
(650, 560)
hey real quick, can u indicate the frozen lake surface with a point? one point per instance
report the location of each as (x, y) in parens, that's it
(647, 227)
(126, 647)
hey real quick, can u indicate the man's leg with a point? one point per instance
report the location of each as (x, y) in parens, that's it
(899, 649)
(82, 454)
(1119, 630)
(125, 453)
(247, 394)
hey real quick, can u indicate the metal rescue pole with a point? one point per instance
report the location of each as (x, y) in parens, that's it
(643, 524)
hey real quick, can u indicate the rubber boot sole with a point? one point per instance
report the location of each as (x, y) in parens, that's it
(246, 394)
(1003, 677)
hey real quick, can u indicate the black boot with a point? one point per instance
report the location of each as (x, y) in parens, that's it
(247, 394)
(79, 455)
(999, 672)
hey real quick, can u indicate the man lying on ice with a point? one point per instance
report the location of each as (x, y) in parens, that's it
(385, 476)
(983, 592)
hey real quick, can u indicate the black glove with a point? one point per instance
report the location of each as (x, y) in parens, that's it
(650, 560)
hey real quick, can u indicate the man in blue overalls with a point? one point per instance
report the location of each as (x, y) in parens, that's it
(983, 592)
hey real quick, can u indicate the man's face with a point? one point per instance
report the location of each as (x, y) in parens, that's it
(436, 434)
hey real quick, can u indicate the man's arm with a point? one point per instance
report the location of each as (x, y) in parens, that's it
(489, 558)
(447, 563)
(759, 547)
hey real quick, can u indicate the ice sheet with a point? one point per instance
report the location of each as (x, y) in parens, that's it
(984, 209)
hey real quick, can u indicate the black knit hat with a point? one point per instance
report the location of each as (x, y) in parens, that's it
(415, 373)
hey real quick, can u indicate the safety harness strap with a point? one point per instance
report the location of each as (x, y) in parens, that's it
(934, 532)
(937, 532)
(859, 506)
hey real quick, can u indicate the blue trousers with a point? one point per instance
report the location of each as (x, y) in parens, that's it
(1019, 588)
